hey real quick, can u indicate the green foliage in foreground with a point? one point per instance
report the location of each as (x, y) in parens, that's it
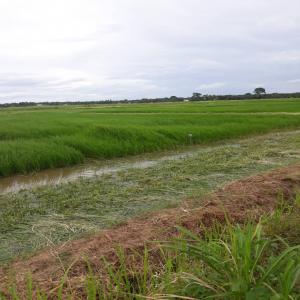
(241, 265)
(232, 262)
(35, 139)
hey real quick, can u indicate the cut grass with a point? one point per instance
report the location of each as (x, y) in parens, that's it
(41, 138)
(29, 220)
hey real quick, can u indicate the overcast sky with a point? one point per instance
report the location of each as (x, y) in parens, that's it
(98, 49)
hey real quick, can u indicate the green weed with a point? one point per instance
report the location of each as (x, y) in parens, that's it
(231, 262)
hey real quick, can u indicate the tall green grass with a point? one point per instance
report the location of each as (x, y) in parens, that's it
(36, 139)
(239, 264)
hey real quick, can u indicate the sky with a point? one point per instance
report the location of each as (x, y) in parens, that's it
(71, 50)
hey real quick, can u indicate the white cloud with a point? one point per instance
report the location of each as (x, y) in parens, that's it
(283, 56)
(211, 86)
(296, 81)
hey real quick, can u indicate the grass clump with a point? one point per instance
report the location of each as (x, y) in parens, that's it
(285, 223)
(241, 264)
(234, 262)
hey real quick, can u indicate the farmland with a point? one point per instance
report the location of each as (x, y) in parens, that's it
(161, 157)
(33, 139)
(217, 152)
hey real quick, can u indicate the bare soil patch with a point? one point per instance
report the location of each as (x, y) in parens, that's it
(240, 200)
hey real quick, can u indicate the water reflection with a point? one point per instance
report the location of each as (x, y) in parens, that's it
(61, 175)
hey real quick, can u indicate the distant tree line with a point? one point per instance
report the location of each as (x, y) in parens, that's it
(259, 93)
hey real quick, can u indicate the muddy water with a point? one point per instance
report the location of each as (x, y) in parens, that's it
(62, 175)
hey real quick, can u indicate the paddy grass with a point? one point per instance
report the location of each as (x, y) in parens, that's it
(33, 139)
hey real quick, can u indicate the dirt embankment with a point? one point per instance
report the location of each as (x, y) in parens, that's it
(243, 199)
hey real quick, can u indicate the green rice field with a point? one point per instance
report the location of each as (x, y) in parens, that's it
(159, 156)
(32, 139)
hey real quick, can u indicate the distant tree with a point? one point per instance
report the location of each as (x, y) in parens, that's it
(196, 95)
(259, 91)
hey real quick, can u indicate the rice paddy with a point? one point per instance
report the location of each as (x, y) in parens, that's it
(214, 143)
(33, 139)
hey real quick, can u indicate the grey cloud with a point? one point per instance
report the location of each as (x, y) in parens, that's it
(150, 48)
